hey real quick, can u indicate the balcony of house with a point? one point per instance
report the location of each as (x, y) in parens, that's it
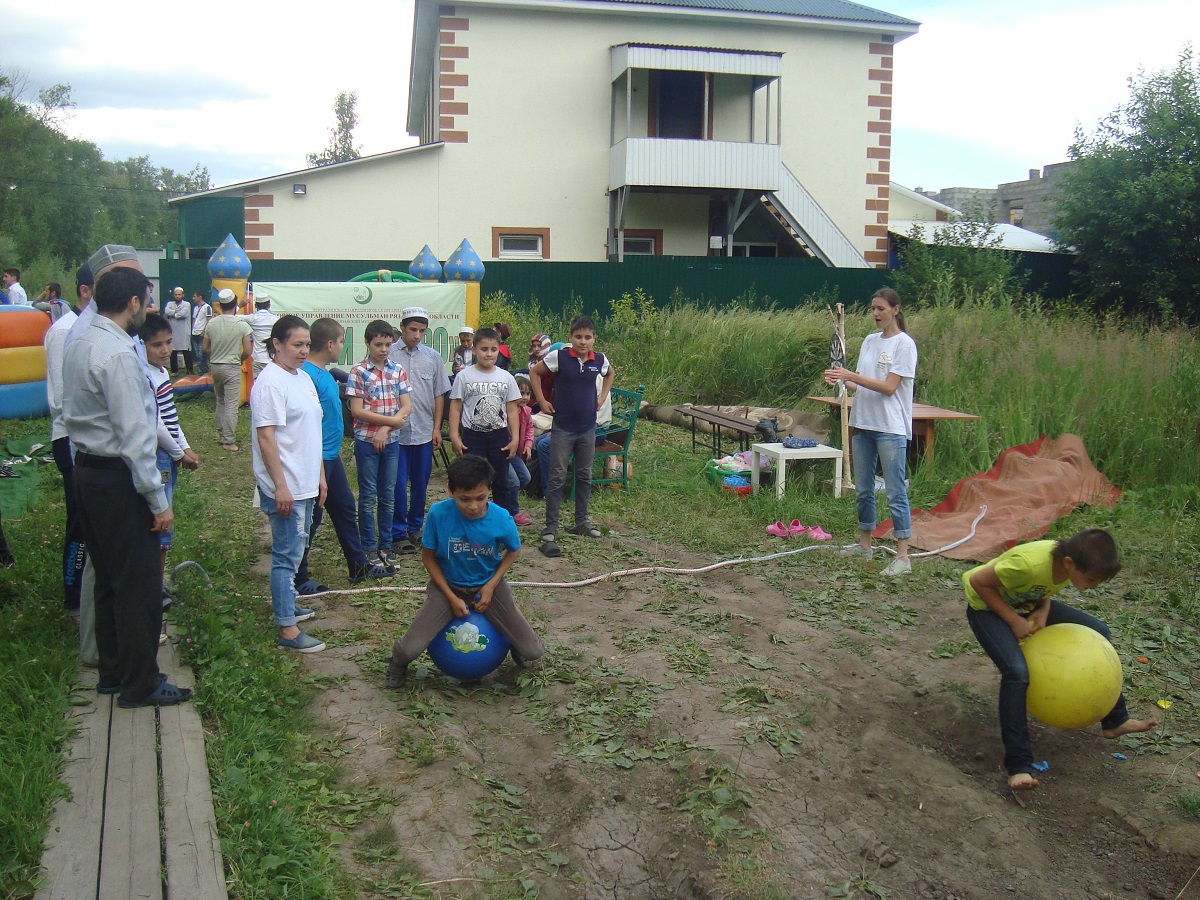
(667, 162)
(693, 117)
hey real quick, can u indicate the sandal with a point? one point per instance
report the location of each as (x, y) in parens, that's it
(796, 529)
(166, 694)
(551, 549)
(116, 688)
(586, 530)
(817, 533)
(777, 529)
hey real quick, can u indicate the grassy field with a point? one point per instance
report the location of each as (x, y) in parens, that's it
(1128, 392)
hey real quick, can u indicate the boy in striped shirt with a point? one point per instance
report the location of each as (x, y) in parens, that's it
(173, 448)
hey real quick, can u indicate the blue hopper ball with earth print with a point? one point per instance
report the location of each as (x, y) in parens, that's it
(469, 648)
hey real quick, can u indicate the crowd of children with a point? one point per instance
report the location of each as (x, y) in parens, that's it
(397, 401)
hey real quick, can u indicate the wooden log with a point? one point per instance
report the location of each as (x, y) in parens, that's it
(195, 869)
(71, 859)
(131, 853)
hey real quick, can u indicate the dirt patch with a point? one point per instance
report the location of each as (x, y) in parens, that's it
(786, 729)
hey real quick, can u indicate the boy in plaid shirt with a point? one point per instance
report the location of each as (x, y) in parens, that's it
(378, 391)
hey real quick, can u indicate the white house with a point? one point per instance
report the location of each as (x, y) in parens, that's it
(583, 130)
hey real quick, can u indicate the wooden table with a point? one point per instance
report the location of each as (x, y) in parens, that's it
(740, 425)
(782, 456)
(924, 420)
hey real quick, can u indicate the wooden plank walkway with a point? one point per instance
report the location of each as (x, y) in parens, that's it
(139, 821)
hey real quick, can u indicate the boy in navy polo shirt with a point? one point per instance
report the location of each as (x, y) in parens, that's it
(574, 409)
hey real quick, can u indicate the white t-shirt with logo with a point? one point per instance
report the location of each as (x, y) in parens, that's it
(878, 358)
(484, 396)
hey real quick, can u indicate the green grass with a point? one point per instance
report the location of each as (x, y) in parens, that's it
(281, 816)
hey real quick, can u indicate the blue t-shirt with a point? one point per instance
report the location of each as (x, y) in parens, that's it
(469, 550)
(331, 409)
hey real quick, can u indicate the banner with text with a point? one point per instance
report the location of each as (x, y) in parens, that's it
(354, 304)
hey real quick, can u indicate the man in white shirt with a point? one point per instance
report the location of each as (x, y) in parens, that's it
(261, 321)
(74, 554)
(179, 313)
(12, 284)
(201, 313)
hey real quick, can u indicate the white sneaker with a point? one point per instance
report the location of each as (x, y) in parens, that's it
(857, 552)
(896, 567)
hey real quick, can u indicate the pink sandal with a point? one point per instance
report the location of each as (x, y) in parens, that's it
(777, 529)
(816, 533)
(796, 529)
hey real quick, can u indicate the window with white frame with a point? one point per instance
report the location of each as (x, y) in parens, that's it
(521, 243)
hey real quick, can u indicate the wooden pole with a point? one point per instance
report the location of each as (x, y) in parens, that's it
(839, 324)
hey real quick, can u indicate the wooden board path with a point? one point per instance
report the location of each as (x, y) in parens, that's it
(139, 821)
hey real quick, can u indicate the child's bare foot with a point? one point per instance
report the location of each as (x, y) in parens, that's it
(1022, 781)
(1130, 726)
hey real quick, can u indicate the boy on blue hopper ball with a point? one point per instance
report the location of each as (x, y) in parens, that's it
(1009, 599)
(467, 546)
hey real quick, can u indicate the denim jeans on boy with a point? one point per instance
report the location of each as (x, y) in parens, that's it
(340, 508)
(488, 444)
(890, 451)
(289, 537)
(412, 469)
(168, 470)
(563, 445)
(376, 492)
(518, 475)
(1001, 645)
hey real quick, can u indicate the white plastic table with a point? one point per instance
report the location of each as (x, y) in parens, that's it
(782, 456)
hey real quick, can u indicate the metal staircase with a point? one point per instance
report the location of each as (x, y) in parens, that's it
(794, 207)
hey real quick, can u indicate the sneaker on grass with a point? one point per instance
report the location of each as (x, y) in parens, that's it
(897, 567)
(301, 643)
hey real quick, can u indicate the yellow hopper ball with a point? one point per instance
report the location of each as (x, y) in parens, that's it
(1074, 675)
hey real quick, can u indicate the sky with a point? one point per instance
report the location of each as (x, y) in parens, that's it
(983, 93)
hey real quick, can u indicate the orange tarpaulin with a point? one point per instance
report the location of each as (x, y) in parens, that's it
(1026, 489)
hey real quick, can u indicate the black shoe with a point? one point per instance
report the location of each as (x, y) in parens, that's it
(397, 676)
(310, 587)
(6, 560)
(404, 545)
(362, 573)
(551, 549)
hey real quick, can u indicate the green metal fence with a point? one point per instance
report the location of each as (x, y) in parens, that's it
(708, 280)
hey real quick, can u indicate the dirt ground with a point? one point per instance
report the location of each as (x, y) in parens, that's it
(793, 728)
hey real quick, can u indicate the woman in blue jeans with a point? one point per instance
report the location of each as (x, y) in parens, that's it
(882, 423)
(285, 416)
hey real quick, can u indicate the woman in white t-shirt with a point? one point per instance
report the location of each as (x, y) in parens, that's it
(285, 419)
(882, 423)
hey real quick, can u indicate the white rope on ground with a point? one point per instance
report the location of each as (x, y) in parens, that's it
(951, 546)
(657, 570)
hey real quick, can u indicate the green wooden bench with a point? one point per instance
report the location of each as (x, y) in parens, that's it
(618, 435)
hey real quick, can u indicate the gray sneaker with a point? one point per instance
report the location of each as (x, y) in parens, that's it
(897, 567)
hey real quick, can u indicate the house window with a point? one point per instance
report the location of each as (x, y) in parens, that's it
(643, 242)
(520, 243)
(1016, 215)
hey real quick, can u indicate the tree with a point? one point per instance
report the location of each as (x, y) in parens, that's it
(1130, 209)
(964, 263)
(341, 136)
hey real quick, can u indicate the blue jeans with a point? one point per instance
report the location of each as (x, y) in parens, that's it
(413, 468)
(871, 449)
(488, 444)
(198, 352)
(376, 491)
(518, 474)
(168, 470)
(339, 506)
(289, 537)
(999, 643)
(563, 446)
(541, 446)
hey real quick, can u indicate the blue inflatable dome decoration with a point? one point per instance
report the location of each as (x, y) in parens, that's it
(469, 648)
(464, 264)
(425, 266)
(229, 260)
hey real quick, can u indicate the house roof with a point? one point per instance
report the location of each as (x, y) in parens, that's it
(841, 10)
(1011, 236)
(312, 170)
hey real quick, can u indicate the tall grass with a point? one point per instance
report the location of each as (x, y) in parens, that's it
(1127, 391)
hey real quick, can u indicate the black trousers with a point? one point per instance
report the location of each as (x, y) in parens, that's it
(74, 554)
(116, 528)
(187, 360)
